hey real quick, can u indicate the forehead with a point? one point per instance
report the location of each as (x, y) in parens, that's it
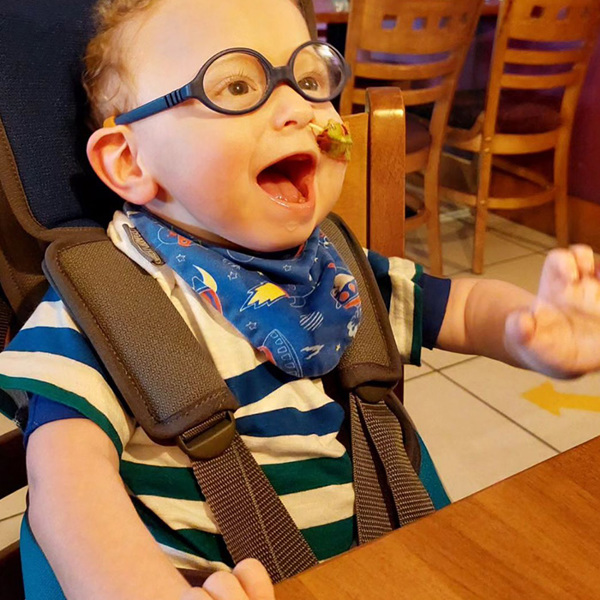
(177, 36)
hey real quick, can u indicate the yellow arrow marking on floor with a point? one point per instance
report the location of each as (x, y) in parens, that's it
(545, 396)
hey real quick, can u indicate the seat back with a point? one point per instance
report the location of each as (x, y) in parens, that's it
(542, 47)
(47, 188)
(419, 45)
(46, 185)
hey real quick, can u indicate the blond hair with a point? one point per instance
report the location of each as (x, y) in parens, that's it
(107, 81)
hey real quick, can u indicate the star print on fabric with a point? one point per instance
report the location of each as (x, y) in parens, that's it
(180, 257)
(252, 325)
(287, 267)
(232, 275)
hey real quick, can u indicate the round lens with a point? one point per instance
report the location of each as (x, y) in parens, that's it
(319, 72)
(235, 81)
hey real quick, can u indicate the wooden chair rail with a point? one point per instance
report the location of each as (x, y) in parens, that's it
(543, 57)
(397, 70)
(538, 82)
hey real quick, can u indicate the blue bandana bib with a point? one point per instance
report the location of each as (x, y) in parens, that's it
(301, 310)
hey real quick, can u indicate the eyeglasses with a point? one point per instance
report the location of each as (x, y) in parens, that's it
(239, 80)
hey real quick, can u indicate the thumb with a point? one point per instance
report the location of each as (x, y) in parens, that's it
(519, 328)
(255, 580)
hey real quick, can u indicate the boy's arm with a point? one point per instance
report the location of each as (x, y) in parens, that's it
(84, 521)
(556, 332)
(476, 316)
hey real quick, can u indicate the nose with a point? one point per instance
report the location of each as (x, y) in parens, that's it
(290, 109)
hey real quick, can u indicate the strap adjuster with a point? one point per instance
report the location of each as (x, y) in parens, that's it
(211, 442)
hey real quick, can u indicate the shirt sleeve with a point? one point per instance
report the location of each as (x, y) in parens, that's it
(416, 303)
(43, 410)
(50, 357)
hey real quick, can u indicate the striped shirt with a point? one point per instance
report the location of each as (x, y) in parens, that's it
(290, 425)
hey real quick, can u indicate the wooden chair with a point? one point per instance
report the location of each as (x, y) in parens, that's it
(420, 46)
(372, 199)
(541, 47)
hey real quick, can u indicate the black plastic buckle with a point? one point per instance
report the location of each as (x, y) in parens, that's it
(212, 442)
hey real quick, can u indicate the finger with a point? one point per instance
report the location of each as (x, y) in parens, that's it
(584, 258)
(561, 263)
(224, 586)
(254, 579)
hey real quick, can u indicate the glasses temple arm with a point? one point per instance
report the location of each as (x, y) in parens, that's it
(155, 106)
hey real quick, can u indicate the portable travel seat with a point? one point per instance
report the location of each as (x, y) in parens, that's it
(46, 186)
(48, 192)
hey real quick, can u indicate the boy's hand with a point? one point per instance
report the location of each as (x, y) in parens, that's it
(560, 335)
(249, 581)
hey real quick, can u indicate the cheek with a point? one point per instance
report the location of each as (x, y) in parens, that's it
(196, 160)
(331, 181)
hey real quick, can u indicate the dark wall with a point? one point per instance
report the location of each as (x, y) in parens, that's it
(584, 167)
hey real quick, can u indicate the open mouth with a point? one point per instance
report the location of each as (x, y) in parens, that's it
(289, 180)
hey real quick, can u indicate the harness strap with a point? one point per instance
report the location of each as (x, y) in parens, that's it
(409, 498)
(6, 314)
(250, 514)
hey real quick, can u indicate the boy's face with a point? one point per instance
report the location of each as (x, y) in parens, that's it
(212, 169)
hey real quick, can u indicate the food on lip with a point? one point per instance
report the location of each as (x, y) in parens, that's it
(334, 139)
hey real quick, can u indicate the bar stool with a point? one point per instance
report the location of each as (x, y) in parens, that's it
(419, 46)
(541, 52)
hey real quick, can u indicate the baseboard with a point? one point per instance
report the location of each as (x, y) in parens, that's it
(584, 220)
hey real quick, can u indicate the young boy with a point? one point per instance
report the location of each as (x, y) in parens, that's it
(241, 172)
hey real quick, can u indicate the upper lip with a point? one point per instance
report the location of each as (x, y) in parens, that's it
(299, 154)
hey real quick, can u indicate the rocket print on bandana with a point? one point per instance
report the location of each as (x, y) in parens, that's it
(299, 309)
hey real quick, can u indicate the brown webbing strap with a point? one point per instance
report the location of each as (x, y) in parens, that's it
(251, 517)
(372, 513)
(410, 498)
(5, 318)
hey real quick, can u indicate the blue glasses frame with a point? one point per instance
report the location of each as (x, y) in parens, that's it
(275, 76)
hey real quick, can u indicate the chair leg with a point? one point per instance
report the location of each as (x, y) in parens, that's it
(434, 238)
(481, 214)
(561, 215)
(481, 211)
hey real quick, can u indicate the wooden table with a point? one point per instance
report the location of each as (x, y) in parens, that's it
(535, 535)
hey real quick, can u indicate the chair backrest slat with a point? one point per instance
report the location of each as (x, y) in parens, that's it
(538, 82)
(543, 57)
(550, 20)
(399, 71)
(411, 26)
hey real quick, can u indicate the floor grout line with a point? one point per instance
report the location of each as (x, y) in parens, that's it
(519, 425)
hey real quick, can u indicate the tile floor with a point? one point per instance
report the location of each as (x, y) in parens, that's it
(478, 417)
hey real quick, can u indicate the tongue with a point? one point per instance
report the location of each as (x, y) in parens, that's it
(278, 186)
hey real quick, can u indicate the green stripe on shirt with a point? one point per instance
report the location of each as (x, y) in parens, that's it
(286, 478)
(69, 399)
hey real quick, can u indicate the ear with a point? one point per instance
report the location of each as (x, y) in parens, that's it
(113, 155)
